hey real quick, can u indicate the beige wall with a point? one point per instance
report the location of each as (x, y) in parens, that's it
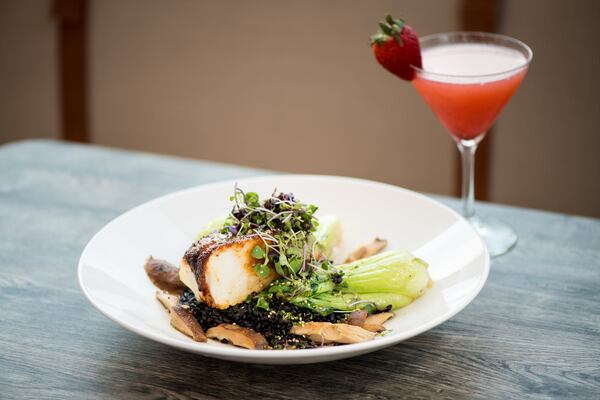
(259, 83)
(286, 85)
(28, 88)
(547, 152)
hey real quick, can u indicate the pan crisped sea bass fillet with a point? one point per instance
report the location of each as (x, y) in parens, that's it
(219, 269)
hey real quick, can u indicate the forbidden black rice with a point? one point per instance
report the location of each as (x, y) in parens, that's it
(274, 324)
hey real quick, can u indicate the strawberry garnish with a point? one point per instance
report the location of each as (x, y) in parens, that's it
(396, 47)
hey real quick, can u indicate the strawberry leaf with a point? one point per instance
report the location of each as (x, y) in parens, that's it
(386, 29)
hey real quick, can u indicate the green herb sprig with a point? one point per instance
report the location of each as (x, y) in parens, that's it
(286, 228)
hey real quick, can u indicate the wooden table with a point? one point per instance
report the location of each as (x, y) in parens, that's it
(533, 332)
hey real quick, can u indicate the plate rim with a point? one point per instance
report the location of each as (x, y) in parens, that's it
(246, 355)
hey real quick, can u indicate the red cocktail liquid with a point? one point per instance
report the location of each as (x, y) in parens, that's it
(467, 110)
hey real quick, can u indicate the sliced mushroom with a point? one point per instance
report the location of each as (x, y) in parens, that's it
(183, 320)
(374, 323)
(166, 299)
(238, 336)
(357, 318)
(326, 332)
(164, 275)
(367, 250)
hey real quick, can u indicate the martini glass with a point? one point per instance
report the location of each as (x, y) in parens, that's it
(467, 78)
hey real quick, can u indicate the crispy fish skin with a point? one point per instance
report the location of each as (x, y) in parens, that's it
(219, 269)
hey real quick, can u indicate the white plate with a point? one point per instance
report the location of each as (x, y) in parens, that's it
(112, 277)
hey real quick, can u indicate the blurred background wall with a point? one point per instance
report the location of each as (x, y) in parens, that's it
(28, 71)
(292, 86)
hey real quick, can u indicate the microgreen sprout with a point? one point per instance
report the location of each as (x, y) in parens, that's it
(285, 227)
(258, 252)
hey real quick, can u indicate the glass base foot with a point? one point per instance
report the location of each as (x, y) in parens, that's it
(498, 237)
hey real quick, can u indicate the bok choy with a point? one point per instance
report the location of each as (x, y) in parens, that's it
(388, 280)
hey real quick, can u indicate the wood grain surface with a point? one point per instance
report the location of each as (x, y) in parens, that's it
(533, 332)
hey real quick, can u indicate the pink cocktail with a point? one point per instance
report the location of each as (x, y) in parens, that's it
(467, 78)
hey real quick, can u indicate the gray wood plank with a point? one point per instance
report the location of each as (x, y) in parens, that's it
(534, 331)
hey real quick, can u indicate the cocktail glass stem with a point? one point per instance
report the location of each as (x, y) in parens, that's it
(467, 150)
(498, 237)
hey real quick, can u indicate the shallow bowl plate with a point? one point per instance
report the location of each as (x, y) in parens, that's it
(112, 277)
